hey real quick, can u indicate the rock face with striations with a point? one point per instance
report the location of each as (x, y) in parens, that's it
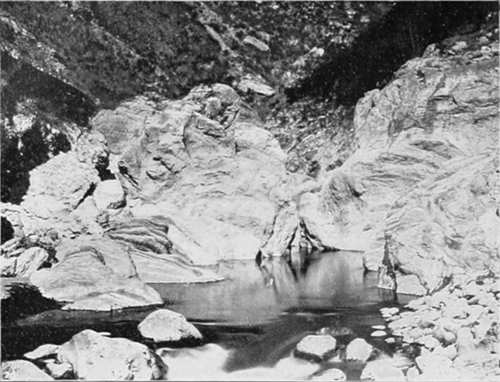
(207, 164)
(94, 275)
(421, 181)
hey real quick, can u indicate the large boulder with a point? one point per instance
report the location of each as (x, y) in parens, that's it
(206, 162)
(165, 325)
(96, 275)
(93, 356)
(421, 183)
(55, 200)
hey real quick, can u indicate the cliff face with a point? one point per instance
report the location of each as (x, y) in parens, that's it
(282, 153)
(61, 62)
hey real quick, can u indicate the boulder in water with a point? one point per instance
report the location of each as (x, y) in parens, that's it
(164, 325)
(21, 370)
(358, 350)
(94, 356)
(316, 347)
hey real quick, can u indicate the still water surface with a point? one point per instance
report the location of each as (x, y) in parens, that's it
(252, 319)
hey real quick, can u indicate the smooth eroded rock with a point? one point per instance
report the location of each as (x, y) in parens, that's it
(358, 350)
(316, 347)
(165, 325)
(97, 357)
(86, 278)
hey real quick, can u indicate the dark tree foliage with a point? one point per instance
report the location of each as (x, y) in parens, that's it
(384, 46)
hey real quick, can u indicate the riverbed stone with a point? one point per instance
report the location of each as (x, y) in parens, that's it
(21, 370)
(316, 347)
(432, 362)
(358, 350)
(164, 325)
(382, 370)
(93, 356)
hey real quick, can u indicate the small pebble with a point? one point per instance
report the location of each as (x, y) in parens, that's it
(378, 327)
(378, 333)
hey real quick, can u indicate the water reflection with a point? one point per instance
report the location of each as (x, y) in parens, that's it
(253, 294)
(258, 313)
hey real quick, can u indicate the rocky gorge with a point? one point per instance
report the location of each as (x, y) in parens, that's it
(150, 151)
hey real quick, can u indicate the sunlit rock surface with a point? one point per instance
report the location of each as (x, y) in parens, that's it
(102, 277)
(423, 174)
(20, 370)
(207, 164)
(94, 356)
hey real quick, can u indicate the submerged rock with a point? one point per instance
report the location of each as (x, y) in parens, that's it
(358, 350)
(330, 375)
(316, 347)
(164, 325)
(21, 370)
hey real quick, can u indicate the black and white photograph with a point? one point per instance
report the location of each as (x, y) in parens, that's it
(250, 191)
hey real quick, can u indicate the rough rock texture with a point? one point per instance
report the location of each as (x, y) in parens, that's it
(165, 325)
(55, 203)
(93, 356)
(456, 330)
(206, 163)
(21, 370)
(97, 277)
(421, 181)
(25, 264)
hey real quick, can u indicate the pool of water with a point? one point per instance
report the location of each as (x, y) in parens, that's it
(252, 319)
